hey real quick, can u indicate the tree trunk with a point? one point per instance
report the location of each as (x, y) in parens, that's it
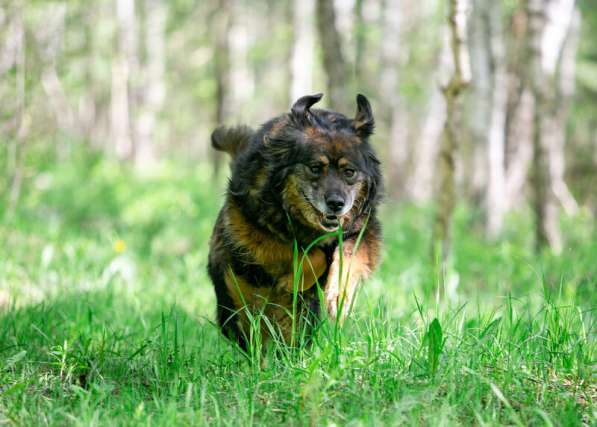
(49, 39)
(549, 25)
(519, 113)
(489, 105)
(392, 53)
(425, 154)
(222, 25)
(360, 31)
(154, 87)
(16, 147)
(446, 195)
(303, 60)
(125, 65)
(333, 60)
(565, 78)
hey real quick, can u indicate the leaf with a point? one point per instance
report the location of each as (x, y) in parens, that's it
(435, 343)
(13, 360)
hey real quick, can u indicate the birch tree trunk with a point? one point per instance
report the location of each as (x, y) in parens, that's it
(549, 25)
(392, 51)
(154, 88)
(489, 105)
(222, 25)
(302, 60)
(16, 146)
(125, 65)
(333, 59)
(519, 112)
(360, 42)
(446, 195)
(49, 38)
(564, 77)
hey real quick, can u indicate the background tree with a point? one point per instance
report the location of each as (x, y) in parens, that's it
(446, 194)
(549, 26)
(145, 81)
(333, 57)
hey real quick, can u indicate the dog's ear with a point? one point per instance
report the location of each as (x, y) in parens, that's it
(363, 123)
(300, 109)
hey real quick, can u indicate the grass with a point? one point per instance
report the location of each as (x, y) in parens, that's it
(106, 318)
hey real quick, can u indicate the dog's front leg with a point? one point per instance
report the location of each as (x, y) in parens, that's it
(313, 266)
(346, 271)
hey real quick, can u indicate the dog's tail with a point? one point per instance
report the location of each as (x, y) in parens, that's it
(232, 140)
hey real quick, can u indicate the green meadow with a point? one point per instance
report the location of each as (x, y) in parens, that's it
(107, 318)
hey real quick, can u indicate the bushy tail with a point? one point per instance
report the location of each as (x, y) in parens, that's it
(232, 140)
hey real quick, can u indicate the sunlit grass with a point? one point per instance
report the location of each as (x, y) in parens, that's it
(106, 317)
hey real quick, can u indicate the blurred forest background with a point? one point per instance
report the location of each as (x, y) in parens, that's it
(147, 80)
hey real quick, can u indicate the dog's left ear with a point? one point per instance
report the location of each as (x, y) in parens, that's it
(300, 109)
(363, 123)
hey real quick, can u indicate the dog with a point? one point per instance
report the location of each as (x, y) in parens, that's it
(307, 176)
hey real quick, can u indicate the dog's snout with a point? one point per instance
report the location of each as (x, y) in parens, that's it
(335, 202)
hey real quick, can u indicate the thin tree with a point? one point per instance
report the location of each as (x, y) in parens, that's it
(446, 192)
(392, 60)
(303, 45)
(154, 86)
(124, 66)
(546, 40)
(16, 146)
(333, 59)
(488, 102)
(222, 24)
(360, 30)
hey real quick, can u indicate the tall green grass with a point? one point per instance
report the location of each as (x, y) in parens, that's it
(106, 318)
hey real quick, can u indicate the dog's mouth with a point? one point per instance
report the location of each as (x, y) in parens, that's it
(330, 222)
(327, 222)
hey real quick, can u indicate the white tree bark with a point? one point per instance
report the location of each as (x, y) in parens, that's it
(488, 110)
(549, 26)
(21, 124)
(125, 65)
(49, 39)
(334, 61)
(303, 60)
(154, 88)
(242, 81)
(565, 78)
(446, 194)
(392, 54)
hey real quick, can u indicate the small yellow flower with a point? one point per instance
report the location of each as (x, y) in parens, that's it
(119, 246)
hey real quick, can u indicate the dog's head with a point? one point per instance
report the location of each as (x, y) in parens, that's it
(328, 172)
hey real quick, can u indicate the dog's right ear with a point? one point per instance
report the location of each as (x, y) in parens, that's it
(300, 109)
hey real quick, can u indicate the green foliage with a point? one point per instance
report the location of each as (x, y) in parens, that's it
(94, 332)
(434, 341)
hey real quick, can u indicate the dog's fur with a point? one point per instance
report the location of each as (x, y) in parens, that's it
(300, 176)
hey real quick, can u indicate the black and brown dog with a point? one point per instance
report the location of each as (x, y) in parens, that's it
(301, 176)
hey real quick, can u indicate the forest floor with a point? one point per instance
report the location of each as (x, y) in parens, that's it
(106, 318)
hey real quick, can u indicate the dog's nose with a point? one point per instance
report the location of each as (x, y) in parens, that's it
(335, 203)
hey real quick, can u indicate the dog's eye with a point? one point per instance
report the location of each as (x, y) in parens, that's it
(315, 169)
(349, 173)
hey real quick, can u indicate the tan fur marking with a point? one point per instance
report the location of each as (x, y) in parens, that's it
(311, 132)
(341, 287)
(274, 255)
(324, 160)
